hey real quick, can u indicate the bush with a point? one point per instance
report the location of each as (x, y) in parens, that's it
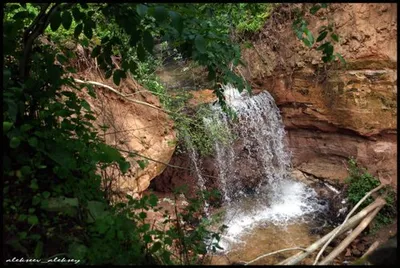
(360, 182)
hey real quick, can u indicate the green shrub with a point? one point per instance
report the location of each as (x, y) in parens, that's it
(360, 182)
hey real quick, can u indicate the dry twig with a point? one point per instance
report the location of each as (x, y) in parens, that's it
(272, 253)
(343, 245)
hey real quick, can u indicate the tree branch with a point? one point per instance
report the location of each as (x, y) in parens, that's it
(122, 95)
(160, 162)
(351, 237)
(36, 31)
(275, 252)
(345, 220)
(34, 24)
(351, 223)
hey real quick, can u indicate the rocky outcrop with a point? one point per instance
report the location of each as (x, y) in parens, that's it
(333, 113)
(131, 127)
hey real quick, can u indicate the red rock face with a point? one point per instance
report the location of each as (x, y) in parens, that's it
(330, 113)
(339, 113)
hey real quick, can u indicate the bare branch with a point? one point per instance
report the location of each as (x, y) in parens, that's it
(160, 162)
(275, 252)
(342, 246)
(35, 22)
(351, 223)
(370, 249)
(122, 95)
(345, 220)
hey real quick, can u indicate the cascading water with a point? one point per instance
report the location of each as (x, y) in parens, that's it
(196, 163)
(275, 197)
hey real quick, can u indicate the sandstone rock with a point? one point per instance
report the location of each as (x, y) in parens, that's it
(131, 127)
(352, 112)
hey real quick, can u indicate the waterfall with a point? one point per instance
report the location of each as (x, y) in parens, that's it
(275, 198)
(253, 166)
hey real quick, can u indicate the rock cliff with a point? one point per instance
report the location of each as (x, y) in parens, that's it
(332, 113)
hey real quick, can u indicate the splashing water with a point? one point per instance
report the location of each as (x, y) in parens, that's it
(276, 198)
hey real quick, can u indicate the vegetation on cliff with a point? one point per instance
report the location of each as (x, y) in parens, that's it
(53, 201)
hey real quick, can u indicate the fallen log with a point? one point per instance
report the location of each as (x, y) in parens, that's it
(344, 244)
(351, 223)
(345, 220)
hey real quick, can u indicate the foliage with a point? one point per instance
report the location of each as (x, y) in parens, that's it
(200, 131)
(52, 153)
(361, 182)
(254, 17)
(53, 197)
(326, 34)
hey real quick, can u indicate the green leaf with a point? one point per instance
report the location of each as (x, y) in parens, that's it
(328, 50)
(325, 59)
(97, 210)
(168, 241)
(32, 219)
(315, 9)
(34, 185)
(33, 142)
(55, 21)
(108, 74)
(85, 105)
(148, 41)
(307, 42)
(15, 142)
(141, 53)
(118, 74)
(133, 66)
(322, 36)
(153, 200)
(26, 170)
(324, 5)
(156, 246)
(141, 10)
(160, 14)
(35, 200)
(211, 73)
(96, 51)
(88, 31)
(323, 46)
(200, 44)
(61, 58)
(142, 163)
(38, 250)
(142, 215)
(108, 154)
(335, 37)
(177, 21)
(66, 20)
(26, 127)
(78, 15)
(77, 251)
(78, 30)
(342, 60)
(21, 15)
(147, 238)
(124, 166)
(46, 194)
(310, 36)
(90, 117)
(7, 126)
